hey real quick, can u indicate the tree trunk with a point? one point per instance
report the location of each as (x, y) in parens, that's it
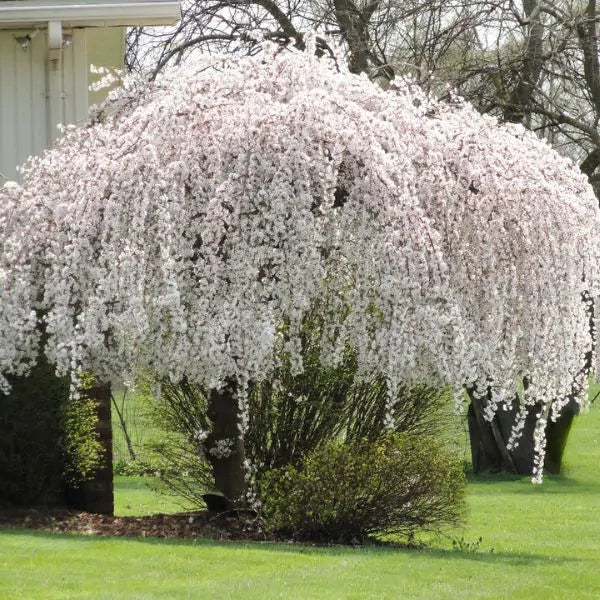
(557, 433)
(96, 495)
(225, 446)
(519, 102)
(488, 440)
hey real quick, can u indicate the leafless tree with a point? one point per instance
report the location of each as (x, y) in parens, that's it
(533, 62)
(538, 65)
(382, 37)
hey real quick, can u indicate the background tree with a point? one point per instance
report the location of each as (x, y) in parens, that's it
(382, 37)
(529, 62)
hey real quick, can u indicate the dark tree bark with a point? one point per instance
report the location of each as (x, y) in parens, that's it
(489, 438)
(227, 466)
(354, 24)
(519, 103)
(557, 433)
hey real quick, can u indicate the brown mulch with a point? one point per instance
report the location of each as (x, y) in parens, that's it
(177, 526)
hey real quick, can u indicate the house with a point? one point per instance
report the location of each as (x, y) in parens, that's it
(46, 49)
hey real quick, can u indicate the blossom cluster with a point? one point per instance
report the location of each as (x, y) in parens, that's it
(196, 220)
(222, 448)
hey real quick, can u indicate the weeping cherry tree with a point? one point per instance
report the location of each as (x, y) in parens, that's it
(195, 221)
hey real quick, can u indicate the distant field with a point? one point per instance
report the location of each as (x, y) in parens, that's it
(539, 542)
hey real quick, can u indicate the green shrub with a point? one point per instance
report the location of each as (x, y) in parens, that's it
(81, 441)
(48, 442)
(133, 468)
(289, 416)
(347, 492)
(31, 430)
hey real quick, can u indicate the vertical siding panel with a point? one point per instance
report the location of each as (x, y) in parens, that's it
(23, 105)
(3, 68)
(22, 101)
(25, 127)
(68, 83)
(55, 88)
(39, 95)
(74, 78)
(8, 46)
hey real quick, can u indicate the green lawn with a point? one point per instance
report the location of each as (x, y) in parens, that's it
(134, 496)
(545, 541)
(134, 408)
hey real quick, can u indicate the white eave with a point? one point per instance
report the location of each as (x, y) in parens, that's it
(108, 13)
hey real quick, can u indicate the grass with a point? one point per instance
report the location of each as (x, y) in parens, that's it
(545, 541)
(135, 496)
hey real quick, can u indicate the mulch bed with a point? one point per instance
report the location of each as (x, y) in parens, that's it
(177, 526)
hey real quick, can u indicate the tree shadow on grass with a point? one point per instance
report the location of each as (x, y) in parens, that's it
(480, 556)
(524, 559)
(552, 484)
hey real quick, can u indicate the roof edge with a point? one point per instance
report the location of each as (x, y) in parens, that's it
(91, 14)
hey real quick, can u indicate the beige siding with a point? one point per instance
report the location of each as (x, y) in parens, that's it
(75, 79)
(25, 124)
(22, 100)
(106, 48)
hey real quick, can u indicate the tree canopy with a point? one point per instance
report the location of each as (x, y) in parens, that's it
(196, 220)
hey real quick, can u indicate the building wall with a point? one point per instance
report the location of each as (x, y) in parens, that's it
(106, 48)
(27, 123)
(23, 122)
